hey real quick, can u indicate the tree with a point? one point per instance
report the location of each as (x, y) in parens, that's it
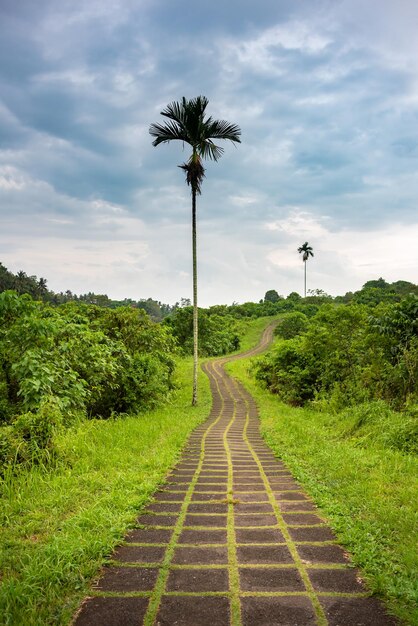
(21, 282)
(187, 123)
(307, 251)
(294, 297)
(42, 288)
(380, 283)
(271, 296)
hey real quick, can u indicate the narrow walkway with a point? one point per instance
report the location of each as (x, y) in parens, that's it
(231, 539)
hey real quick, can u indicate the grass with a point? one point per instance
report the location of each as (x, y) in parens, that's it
(252, 330)
(368, 492)
(60, 523)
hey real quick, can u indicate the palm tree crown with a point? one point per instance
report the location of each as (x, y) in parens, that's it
(307, 251)
(187, 123)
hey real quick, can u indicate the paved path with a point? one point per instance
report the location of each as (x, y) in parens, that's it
(231, 539)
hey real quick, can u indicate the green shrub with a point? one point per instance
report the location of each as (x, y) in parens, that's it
(92, 361)
(288, 372)
(292, 325)
(12, 449)
(346, 356)
(40, 373)
(146, 382)
(30, 436)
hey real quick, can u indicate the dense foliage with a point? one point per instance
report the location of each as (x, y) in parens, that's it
(59, 364)
(218, 330)
(348, 355)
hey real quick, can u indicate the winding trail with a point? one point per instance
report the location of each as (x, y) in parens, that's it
(231, 539)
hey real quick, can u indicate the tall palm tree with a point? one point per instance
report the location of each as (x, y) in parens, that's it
(307, 251)
(187, 123)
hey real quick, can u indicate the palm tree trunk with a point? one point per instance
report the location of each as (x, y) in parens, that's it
(305, 278)
(195, 313)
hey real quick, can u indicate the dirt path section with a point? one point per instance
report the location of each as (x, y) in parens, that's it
(231, 539)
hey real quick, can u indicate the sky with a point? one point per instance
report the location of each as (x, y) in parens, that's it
(324, 91)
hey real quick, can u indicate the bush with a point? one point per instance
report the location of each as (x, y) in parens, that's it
(30, 437)
(292, 325)
(349, 358)
(352, 357)
(288, 372)
(145, 383)
(92, 361)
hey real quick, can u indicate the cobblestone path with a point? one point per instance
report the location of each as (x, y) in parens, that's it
(231, 539)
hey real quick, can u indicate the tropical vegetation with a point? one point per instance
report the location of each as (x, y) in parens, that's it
(60, 365)
(61, 520)
(347, 355)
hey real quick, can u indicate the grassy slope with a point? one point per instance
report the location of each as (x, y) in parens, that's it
(252, 329)
(60, 523)
(369, 494)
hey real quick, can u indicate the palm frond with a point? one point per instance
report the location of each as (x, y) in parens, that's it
(197, 105)
(208, 150)
(167, 132)
(176, 111)
(187, 123)
(220, 129)
(307, 251)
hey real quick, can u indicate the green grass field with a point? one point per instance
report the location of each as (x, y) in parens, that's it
(368, 492)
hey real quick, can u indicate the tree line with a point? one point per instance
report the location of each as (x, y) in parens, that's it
(38, 289)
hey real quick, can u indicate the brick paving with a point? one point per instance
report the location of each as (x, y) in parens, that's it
(231, 539)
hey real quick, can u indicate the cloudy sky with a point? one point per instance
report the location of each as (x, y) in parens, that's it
(326, 95)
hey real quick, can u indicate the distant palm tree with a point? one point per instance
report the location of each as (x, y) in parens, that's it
(42, 287)
(21, 282)
(307, 252)
(187, 123)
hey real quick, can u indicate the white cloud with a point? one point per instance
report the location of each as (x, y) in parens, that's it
(299, 223)
(74, 76)
(246, 199)
(11, 178)
(263, 53)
